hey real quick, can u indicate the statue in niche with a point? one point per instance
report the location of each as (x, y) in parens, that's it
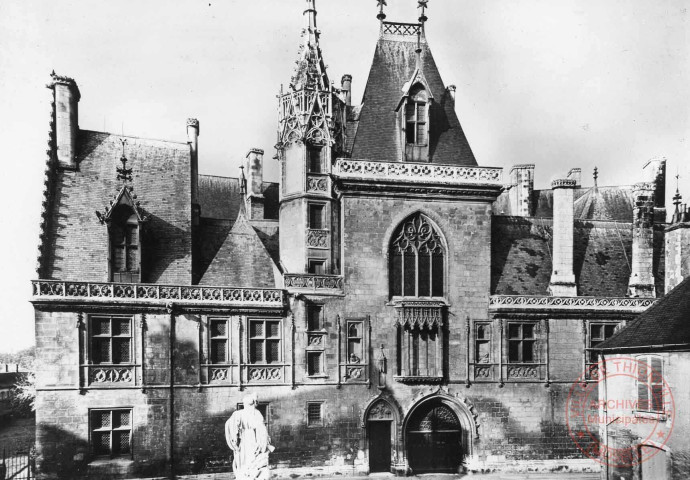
(248, 438)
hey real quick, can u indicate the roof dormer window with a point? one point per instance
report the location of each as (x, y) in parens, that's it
(414, 112)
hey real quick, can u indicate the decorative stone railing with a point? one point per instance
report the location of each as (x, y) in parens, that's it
(318, 238)
(56, 290)
(417, 172)
(308, 281)
(524, 302)
(319, 183)
(102, 374)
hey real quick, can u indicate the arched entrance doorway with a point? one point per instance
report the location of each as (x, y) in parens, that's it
(434, 438)
(381, 424)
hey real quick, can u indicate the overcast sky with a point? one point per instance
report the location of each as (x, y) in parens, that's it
(557, 83)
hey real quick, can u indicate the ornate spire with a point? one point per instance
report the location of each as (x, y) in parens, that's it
(381, 3)
(596, 176)
(310, 71)
(124, 173)
(311, 12)
(423, 5)
(677, 216)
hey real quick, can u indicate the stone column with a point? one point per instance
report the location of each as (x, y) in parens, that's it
(562, 276)
(255, 180)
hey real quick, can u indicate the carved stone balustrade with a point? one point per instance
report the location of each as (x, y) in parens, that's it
(55, 292)
(522, 303)
(307, 282)
(417, 172)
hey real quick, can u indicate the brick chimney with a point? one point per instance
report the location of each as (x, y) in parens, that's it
(193, 141)
(451, 91)
(642, 274)
(66, 99)
(562, 277)
(255, 179)
(521, 188)
(346, 87)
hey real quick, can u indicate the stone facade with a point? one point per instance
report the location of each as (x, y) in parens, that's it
(430, 321)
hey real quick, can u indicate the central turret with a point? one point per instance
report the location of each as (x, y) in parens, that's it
(311, 116)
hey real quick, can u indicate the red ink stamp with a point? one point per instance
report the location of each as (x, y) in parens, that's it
(621, 414)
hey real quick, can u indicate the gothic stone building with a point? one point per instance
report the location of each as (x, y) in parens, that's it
(395, 306)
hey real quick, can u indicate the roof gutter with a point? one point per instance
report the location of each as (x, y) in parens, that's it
(664, 346)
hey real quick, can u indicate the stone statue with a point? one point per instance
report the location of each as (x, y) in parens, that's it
(248, 438)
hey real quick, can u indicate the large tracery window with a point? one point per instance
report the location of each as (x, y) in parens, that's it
(125, 263)
(416, 254)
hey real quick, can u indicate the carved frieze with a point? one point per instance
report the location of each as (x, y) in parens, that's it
(318, 238)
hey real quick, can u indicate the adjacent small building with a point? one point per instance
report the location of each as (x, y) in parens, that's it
(645, 397)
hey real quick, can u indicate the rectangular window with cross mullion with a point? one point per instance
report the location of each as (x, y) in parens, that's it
(110, 339)
(521, 343)
(111, 432)
(264, 341)
(219, 341)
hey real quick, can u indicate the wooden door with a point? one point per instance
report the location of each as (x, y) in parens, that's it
(379, 446)
(653, 463)
(434, 440)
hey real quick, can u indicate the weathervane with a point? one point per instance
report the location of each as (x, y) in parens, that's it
(381, 4)
(124, 173)
(423, 4)
(596, 175)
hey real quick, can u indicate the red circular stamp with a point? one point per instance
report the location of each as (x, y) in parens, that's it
(621, 413)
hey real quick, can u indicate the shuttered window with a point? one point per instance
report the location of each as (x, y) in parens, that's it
(650, 384)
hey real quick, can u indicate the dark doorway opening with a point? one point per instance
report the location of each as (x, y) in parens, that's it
(434, 439)
(379, 446)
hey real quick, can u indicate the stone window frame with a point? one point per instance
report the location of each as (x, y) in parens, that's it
(534, 371)
(94, 431)
(135, 275)
(312, 264)
(591, 366)
(212, 372)
(262, 373)
(320, 422)
(354, 370)
(109, 374)
(316, 340)
(419, 97)
(323, 222)
(265, 339)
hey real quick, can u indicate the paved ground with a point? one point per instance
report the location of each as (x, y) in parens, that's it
(493, 476)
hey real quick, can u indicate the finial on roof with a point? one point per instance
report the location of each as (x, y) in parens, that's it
(381, 3)
(596, 176)
(243, 182)
(677, 215)
(423, 4)
(124, 173)
(311, 11)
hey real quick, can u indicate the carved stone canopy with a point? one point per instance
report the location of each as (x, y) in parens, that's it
(420, 314)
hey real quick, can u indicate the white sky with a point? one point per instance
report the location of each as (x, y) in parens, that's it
(557, 83)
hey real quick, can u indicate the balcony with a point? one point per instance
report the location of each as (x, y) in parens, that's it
(53, 292)
(516, 303)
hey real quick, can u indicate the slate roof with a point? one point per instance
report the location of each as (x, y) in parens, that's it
(219, 197)
(240, 260)
(377, 136)
(602, 203)
(665, 325)
(521, 257)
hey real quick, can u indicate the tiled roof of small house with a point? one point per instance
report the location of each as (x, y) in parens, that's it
(666, 324)
(377, 136)
(521, 257)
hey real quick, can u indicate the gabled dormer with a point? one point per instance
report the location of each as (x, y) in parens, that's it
(413, 117)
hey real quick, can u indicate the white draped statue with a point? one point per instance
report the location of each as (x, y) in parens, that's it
(248, 438)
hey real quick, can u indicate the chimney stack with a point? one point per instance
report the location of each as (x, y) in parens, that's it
(562, 276)
(655, 173)
(346, 87)
(575, 174)
(451, 91)
(193, 141)
(520, 193)
(255, 179)
(66, 99)
(642, 275)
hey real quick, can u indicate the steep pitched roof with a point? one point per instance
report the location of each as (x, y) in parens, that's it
(666, 324)
(241, 260)
(521, 257)
(377, 135)
(220, 197)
